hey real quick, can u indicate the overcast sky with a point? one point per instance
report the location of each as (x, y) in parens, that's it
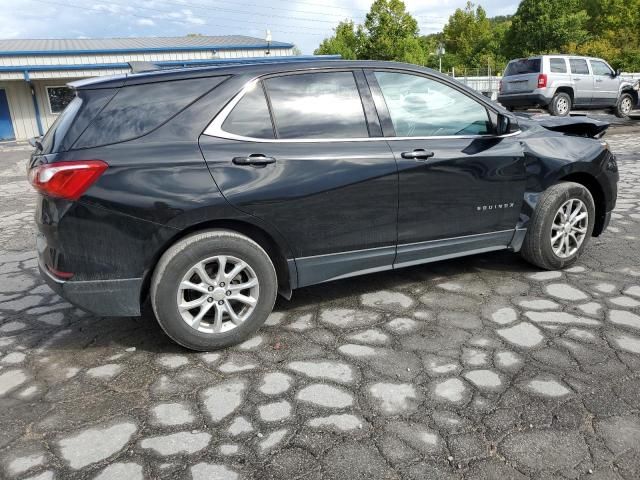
(303, 22)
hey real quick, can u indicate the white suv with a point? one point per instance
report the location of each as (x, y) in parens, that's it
(561, 82)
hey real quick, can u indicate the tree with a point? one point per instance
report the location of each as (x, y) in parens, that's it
(346, 41)
(391, 33)
(388, 33)
(546, 26)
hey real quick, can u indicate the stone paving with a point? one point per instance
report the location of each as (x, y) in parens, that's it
(482, 367)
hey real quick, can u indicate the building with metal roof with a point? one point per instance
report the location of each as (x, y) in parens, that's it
(34, 72)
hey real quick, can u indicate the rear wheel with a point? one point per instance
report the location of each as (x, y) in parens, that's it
(213, 289)
(624, 106)
(560, 105)
(560, 227)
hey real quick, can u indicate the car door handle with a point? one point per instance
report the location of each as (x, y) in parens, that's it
(255, 159)
(598, 80)
(417, 154)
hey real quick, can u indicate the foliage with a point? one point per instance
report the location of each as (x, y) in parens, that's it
(609, 29)
(388, 33)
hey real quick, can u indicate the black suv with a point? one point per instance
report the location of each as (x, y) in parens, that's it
(211, 190)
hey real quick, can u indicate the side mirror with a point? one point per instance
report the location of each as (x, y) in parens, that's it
(617, 73)
(505, 124)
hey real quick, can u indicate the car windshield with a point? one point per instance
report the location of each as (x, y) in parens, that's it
(525, 65)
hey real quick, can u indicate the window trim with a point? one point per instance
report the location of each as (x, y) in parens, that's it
(214, 129)
(47, 87)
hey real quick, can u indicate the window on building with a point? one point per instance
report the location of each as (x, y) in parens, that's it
(250, 117)
(421, 107)
(579, 66)
(317, 105)
(59, 98)
(558, 65)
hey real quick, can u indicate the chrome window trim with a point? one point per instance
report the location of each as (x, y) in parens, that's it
(214, 129)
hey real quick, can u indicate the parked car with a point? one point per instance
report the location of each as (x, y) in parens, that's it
(209, 191)
(562, 82)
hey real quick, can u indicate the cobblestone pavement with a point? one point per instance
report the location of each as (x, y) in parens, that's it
(479, 368)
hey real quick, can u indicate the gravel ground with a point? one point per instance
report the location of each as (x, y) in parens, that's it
(478, 368)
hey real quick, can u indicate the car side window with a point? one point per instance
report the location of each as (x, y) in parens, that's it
(250, 117)
(421, 107)
(317, 105)
(579, 66)
(558, 65)
(600, 68)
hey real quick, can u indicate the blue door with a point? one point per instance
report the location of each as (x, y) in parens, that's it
(6, 128)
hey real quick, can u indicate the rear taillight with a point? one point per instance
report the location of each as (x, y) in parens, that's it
(542, 80)
(67, 180)
(500, 87)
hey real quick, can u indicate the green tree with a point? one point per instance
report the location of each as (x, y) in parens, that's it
(347, 41)
(388, 33)
(391, 33)
(546, 26)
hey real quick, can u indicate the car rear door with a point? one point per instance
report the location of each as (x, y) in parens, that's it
(582, 80)
(461, 188)
(295, 151)
(605, 86)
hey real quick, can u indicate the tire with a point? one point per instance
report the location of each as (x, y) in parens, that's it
(560, 105)
(537, 246)
(624, 106)
(215, 329)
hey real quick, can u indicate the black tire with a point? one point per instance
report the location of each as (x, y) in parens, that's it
(537, 248)
(179, 258)
(624, 106)
(560, 105)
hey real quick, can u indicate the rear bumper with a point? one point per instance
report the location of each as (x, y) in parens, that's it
(107, 298)
(524, 100)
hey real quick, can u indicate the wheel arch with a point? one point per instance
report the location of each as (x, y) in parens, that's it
(568, 91)
(591, 183)
(285, 268)
(632, 92)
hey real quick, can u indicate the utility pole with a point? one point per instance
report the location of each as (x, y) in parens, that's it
(268, 38)
(440, 52)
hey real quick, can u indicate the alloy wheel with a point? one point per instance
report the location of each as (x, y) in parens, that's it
(569, 228)
(218, 294)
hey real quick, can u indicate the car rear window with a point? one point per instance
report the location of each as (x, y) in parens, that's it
(74, 119)
(558, 65)
(136, 110)
(579, 66)
(522, 66)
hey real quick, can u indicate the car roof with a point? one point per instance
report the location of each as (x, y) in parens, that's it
(256, 68)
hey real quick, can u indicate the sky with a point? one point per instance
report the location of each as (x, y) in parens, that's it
(302, 22)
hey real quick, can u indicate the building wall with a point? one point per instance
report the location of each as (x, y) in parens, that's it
(23, 114)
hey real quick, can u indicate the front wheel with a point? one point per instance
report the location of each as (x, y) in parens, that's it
(213, 289)
(624, 106)
(560, 226)
(560, 105)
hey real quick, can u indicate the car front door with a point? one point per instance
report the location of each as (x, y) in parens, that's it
(461, 188)
(605, 84)
(582, 82)
(294, 150)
